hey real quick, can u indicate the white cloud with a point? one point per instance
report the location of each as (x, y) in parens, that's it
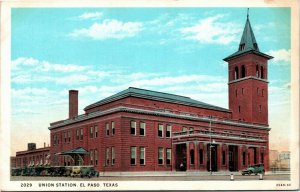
(281, 56)
(29, 91)
(211, 30)
(90, 15)
(109, 29)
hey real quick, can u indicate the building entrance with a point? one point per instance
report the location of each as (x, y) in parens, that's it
(233, 158)
(213, 158)
(180, 157)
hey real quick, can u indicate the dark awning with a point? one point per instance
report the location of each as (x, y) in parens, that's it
(78, 150)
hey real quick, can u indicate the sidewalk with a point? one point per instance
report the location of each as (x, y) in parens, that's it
(180, 173)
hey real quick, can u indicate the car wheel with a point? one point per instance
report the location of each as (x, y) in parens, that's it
(250, 172)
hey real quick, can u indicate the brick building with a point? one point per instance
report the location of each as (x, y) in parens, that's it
(143, 130)
(33, 156)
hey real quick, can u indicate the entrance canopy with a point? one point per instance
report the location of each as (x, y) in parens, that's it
(78, 150)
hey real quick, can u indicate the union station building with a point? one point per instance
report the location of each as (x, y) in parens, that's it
(144, 130)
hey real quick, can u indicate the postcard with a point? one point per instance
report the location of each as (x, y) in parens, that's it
(149, 95)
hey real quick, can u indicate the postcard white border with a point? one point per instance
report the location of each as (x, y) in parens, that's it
(6, 184)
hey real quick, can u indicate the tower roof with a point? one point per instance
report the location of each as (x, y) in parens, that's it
(248, 43)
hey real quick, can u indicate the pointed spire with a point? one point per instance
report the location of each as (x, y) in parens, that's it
(248, 41)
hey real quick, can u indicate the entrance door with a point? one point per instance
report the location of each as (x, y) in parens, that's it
(180, 157)
(213, 158)
(233, 158)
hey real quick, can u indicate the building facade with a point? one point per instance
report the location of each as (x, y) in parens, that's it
(143, 130)
(33, 157)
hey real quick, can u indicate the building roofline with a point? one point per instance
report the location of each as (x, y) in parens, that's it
(85, 117)
(33, 151)
(155, 95)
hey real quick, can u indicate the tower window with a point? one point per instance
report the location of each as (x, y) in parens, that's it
(236, 92)
(236, 73)
(257, 71)
(261, 72)
(257, 91)
(243, 71)
(242, 47)
(262, 92)
(242, 91)
(259, 108)
(239, 109)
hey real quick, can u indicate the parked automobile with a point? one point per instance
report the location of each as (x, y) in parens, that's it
(88, 171)
(254, 169)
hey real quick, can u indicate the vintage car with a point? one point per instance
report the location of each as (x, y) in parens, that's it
(254, 169)
(75, 171)
(88, 171)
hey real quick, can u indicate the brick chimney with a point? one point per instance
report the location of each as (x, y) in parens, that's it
(73, 103)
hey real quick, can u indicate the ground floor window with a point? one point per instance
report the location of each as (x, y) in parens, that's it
(142, 155)
(113, 155)
(244, 158)
(223, 158)
(169, 153)
(201, 156)
(132, 155)
(91, 157)
(107, 156)
(262, 157)
(96, 156)
(160, 156)
(192, 157)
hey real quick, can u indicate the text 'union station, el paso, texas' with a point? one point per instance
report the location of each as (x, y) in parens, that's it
(144, 130)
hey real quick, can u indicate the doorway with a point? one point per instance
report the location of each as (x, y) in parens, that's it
(213, 158)
(180, 157)
(233, 158)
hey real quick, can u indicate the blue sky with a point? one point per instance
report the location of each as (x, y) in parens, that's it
(105, 50)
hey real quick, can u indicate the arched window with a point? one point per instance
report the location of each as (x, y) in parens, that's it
(261, 72)
(257, 71)
(236, 73)
(243, 71)
(192, 157)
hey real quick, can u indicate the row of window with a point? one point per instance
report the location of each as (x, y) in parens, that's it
(259, 108)
(259, 72)
(257, 91)
(164, 155)
(142, 129)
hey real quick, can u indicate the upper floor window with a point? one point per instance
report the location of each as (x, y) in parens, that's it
(77, 134)
(107, 129)
(239, 109)
(81, 134)
(261, 72)
(191, 131)
(262, 92)
(107, 156)
(96, 131)
(257, 72)
(142, 128)
(112, 127)
(168, 131)
(236, 73)
(243, 71)
(91, 132)
(160, 130)
(65, 136)
(69, 136)
(132, 127)
(96, 156)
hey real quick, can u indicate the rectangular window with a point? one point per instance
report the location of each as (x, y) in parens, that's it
(142, 155)
(201, 156)
(259, 108)
(168, 131)
(132, 127)
(262, 157)
(242, 91)
(113, 156)
(160, 156)
(96, 131)
(65, 136)
(91, 157)
(262, 92)
(223, 158)
(142, 128)
(160, 130)
(81, 134)
(107, 129)
(112, 127)
(236, 93)
(132, 155)
(107, 156)
(77, 134)
(96, 156)
(239, 109)
(69, 136)
(91, 132)
(169, 152)
(244, 158)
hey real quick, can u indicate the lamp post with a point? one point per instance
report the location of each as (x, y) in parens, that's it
(210, 146)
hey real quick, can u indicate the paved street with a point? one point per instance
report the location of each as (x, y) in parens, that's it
(156, 178)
